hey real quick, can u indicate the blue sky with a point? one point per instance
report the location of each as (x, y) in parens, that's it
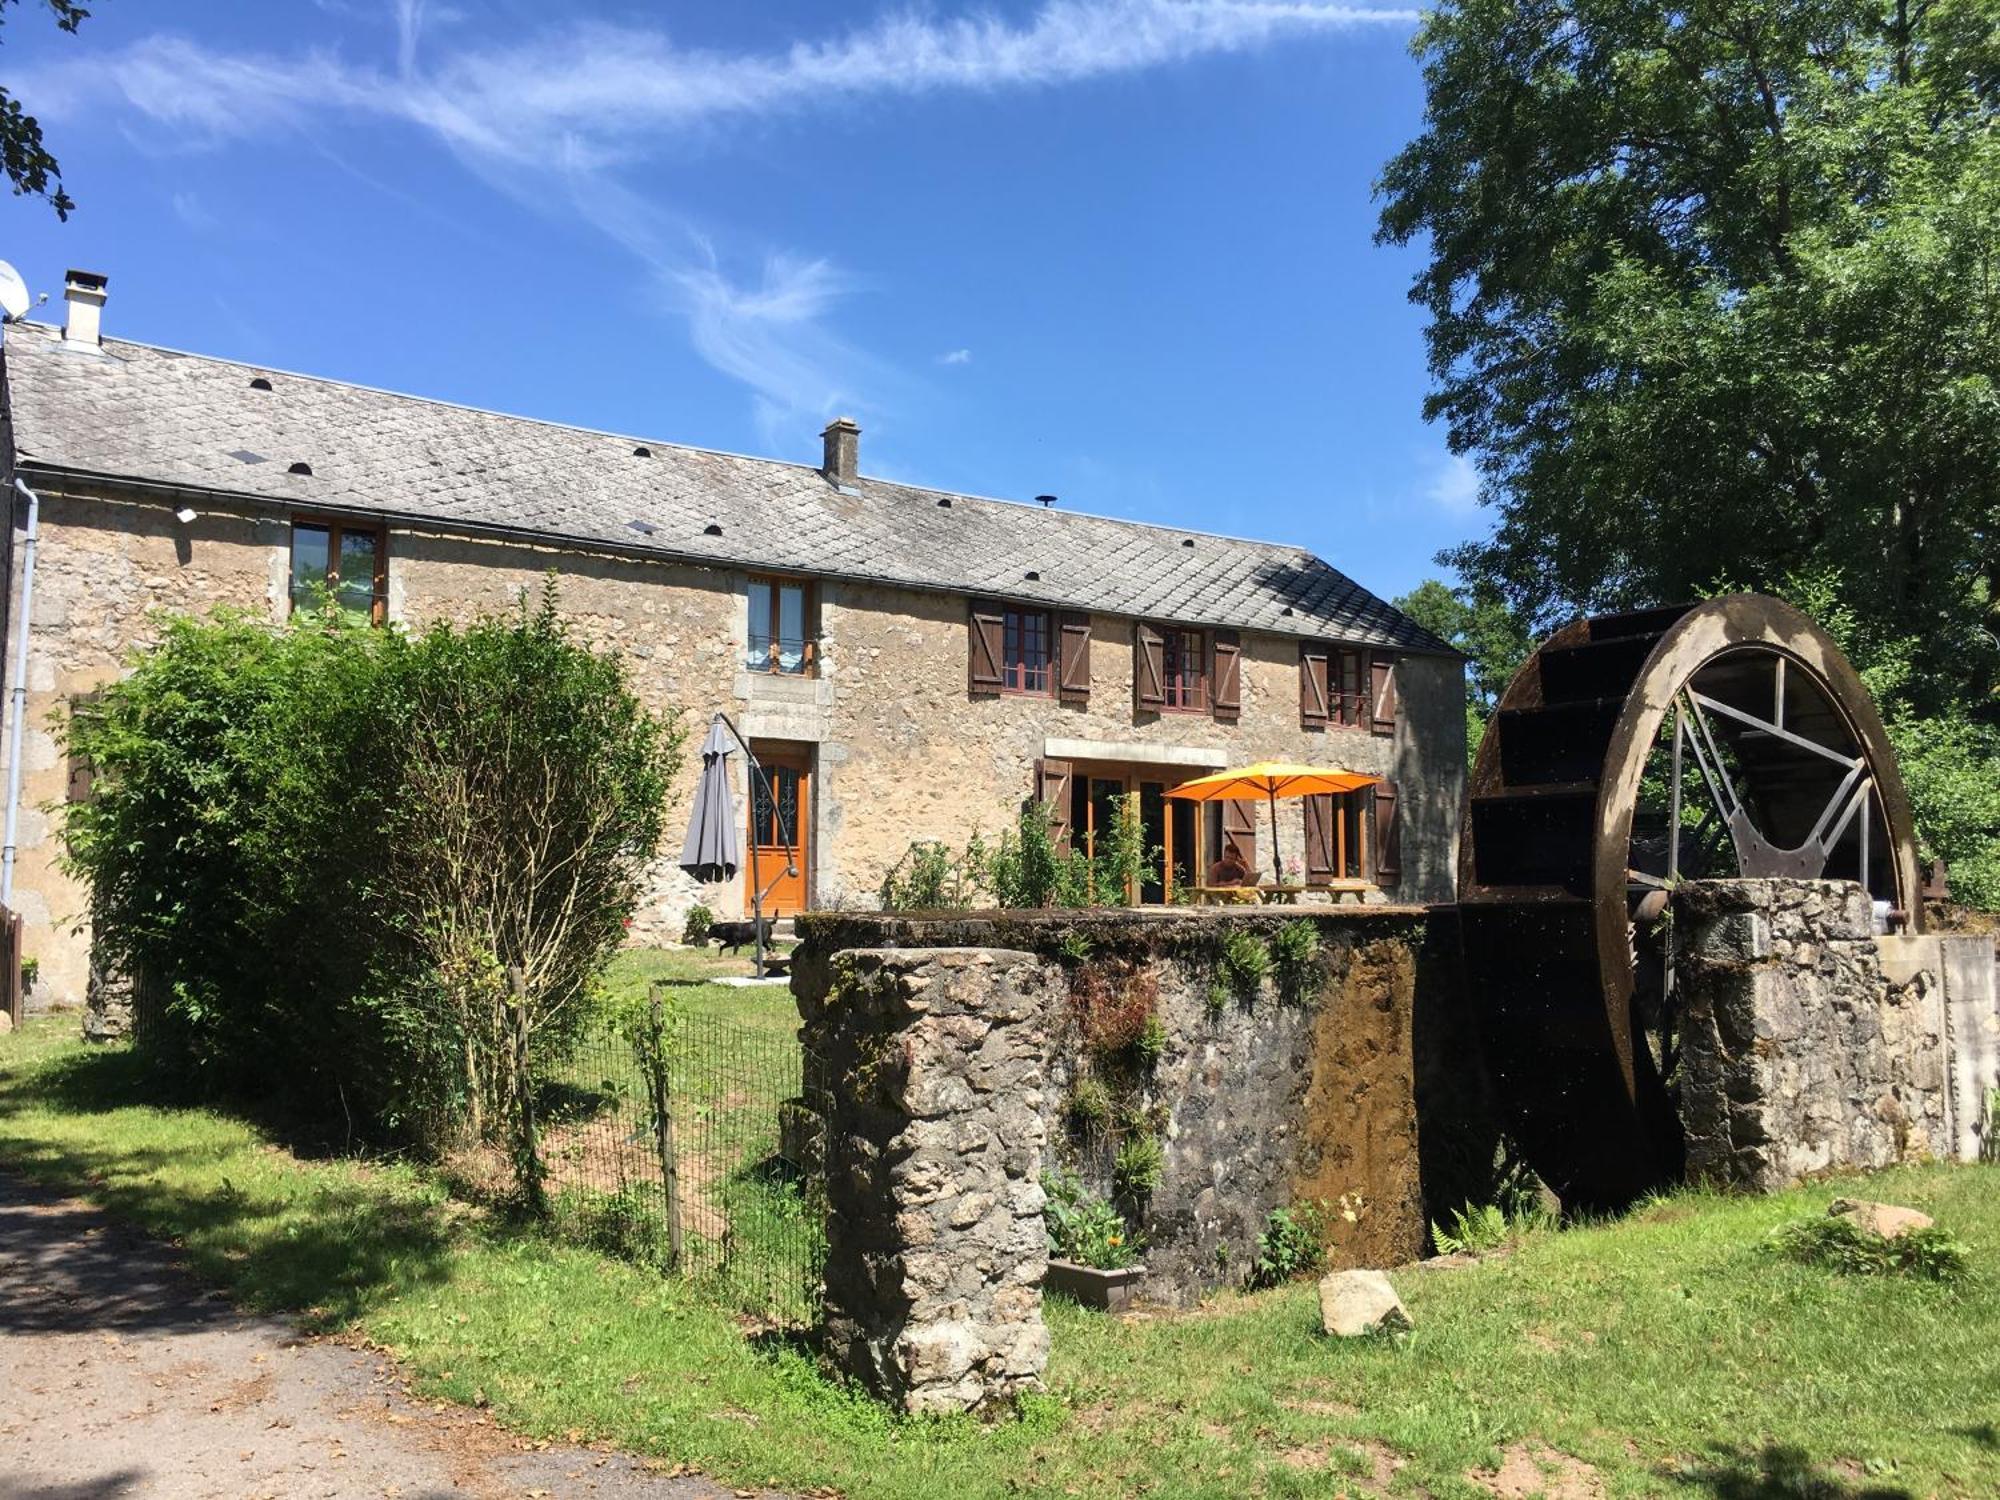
(1117, 250)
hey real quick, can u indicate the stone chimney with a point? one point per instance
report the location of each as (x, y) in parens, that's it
(84, 292)
(841, 464)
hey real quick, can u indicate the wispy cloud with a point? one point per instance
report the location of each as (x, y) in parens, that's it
(578, 101)
(955, 357)
(1454, 485)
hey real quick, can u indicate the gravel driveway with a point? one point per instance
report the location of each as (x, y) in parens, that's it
(121, 1376)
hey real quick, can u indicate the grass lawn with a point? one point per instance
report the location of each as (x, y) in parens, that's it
(1665, 1351)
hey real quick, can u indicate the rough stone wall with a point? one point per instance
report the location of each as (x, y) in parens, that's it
(1966, 970)
(1799, 1056)
(1265, 1102)
(935, 1244)
(902, 752)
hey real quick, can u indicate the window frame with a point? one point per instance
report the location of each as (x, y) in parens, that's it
(809, 636)
(1011, 619)
(1356, 709)
(1175, 642)
(336, 528)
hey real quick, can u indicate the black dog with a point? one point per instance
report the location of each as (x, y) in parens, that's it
(730, 936)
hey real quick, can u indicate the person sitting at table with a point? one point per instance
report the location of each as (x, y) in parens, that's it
(1231, 869)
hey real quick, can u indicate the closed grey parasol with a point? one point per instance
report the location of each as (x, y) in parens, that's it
(709, 854)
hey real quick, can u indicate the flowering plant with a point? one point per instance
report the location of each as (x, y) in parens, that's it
(1083, 1228)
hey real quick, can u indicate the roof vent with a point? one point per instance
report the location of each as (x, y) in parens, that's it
(644, 528)
(259, 383)
(944, 502)
(1187, 541)
(713, 528)
(1045, 501)
(642, 451)
(301, 467)
(1286, 610)
(1032, 576)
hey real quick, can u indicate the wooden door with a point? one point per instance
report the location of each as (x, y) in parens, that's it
(780, 819)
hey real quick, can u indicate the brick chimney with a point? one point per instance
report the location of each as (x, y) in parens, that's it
(842, 439)
(84, 292)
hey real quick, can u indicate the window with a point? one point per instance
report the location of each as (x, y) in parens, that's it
(1352, 700)
(774, 818)
(345, 563)
(781, 637)
(1184, 670)
(1024, 658)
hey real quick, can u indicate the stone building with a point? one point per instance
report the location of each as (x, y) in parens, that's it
(911, 663)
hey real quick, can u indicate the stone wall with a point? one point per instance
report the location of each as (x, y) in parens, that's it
(935, 1244)
(1799, 1054)
(1307, 1092)
(900, 750)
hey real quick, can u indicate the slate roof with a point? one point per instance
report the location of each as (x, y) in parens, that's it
(137, 412)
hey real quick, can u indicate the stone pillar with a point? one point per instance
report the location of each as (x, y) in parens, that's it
(1798, 1054)
(935, 1244)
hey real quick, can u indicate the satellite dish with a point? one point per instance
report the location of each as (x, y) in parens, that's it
(13, 292)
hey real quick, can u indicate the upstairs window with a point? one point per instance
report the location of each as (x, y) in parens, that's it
(781, 639)
(1024, 652)
(1184, 670)
(1352, 702)
(342, 562)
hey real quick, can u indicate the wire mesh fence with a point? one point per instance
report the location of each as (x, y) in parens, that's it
(694, 1145)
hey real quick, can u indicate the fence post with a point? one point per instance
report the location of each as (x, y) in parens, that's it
(663, 1123)
(527, 1150)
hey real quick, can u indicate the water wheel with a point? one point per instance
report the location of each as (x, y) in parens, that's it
(1631, 752)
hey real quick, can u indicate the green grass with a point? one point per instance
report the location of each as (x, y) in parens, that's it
(1669, 1350)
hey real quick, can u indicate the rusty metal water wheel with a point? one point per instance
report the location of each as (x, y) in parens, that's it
(1632, 751)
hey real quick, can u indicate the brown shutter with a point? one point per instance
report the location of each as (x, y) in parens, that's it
(1052, 790)
(1320, 813)
(1388, 836)
(1312, 686)
(1073, 663)
(1382, 693)
(1228, 677)
(986, 631)
(1239, 827)
(1149, 669)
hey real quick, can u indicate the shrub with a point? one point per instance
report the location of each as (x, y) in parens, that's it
(326, 844)
(1140, 1164)
(694, 927)
(1292, 1245)
(1294, 955)
(1245, 961)
(929, 877)
(1074, 947)
(1841, 1245)
(1083, 1228)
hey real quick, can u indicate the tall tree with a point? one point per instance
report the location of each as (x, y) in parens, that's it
(23, 156)
(1714, 297)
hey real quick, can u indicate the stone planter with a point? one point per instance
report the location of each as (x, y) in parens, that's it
(1109, 1291)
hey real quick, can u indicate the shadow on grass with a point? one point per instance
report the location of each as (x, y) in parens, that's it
(314, 1245)
(1776, 1473)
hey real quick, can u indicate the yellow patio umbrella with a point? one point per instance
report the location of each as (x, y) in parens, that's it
(1270, 780)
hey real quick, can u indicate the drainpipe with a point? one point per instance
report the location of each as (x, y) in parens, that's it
(17, 698)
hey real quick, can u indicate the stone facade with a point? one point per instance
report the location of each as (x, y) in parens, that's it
(935, 1244)
(1264, 1101)
(1799, 1054)
(900, 751)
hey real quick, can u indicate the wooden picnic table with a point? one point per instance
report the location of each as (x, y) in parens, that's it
(1271, 894)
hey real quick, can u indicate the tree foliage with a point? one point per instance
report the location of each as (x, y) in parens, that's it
(1714, 296)
(23, 156)
(323, 845)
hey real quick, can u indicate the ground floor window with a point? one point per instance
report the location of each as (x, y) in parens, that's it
(343, 562)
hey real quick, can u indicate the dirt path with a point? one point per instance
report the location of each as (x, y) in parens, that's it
(121, 1376)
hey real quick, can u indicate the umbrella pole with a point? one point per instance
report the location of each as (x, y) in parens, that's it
(1277, 864)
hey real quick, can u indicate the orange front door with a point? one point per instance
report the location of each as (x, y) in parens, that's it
(782, 818)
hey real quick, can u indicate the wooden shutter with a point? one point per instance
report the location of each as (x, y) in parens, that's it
(1227, 699)
(1239, 827)
(1388, 836)
(1320, 813)
(1312, 686)
(1382, 694)
(1073, 662)
(1052, 790)
(1149, 668)
(986, 631)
